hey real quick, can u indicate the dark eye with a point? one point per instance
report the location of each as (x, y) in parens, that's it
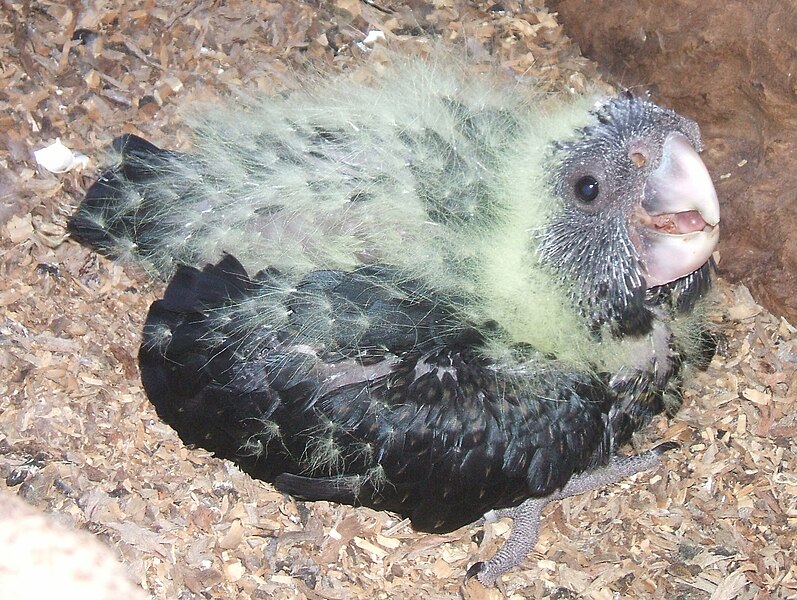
(587, 188)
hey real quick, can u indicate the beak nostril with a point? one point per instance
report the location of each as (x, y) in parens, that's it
(639, 159)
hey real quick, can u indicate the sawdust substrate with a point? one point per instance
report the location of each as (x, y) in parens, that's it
(79, 440)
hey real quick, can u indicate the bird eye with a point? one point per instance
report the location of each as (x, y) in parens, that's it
(587, 188)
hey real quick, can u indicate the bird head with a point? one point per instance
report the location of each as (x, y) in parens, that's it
(638, 212)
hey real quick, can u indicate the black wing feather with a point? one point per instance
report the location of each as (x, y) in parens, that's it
(430, 429)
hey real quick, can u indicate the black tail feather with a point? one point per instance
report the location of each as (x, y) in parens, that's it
(104, 220)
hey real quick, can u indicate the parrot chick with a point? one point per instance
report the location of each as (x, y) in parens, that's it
(431, 294)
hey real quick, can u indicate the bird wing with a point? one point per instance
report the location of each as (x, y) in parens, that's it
(402, 414)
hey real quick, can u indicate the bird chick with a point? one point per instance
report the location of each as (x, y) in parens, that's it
(432, 294)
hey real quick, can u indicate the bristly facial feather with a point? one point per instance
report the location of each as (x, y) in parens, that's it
(590, 242)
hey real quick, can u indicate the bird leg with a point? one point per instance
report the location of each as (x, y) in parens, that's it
(526, 516)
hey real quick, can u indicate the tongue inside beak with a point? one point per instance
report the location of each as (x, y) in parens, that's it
(678, 223)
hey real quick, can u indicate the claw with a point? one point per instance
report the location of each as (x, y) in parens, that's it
(474, 569)
(665, 447)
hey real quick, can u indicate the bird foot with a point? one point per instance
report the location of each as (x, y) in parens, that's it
(526, 516)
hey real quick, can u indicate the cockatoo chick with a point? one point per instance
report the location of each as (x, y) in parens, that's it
(431, 294)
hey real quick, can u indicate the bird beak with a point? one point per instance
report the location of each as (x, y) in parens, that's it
(678, 222)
